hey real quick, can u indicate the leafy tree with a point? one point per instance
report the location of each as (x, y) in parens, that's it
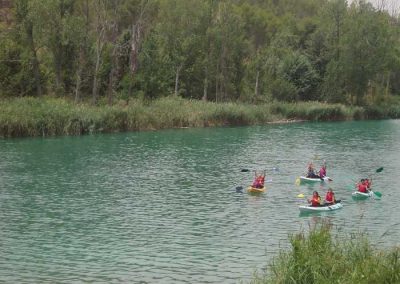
(25, 15)
(367, 47)
(297, 69)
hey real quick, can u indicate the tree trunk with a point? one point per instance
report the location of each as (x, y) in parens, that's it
(99, 50)
(135, 39)
(216, 83)
(204, 98)
(177, 73)
(35, 61)
(110, 91)
(82, 55)
(387, 85)
(95, 79)
(79, 76)
(111, 80)
(256, 87)
(133, 57)
(57, 66)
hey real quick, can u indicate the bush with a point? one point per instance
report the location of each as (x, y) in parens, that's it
(320, 258)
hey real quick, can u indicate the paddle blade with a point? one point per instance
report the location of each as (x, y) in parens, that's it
(379, 170)
(301, 195)
(245, 170)
(239, 188)
(297, 182)
(378, 194)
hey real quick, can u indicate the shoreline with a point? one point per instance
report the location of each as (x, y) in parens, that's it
(44, 117)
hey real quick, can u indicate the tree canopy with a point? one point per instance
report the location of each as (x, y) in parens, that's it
(217, 50)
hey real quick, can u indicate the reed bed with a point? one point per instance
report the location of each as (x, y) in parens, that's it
(21, 117)
(319, 257)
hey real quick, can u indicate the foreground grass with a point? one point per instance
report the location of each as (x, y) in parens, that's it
(49, 116)
(320, 258)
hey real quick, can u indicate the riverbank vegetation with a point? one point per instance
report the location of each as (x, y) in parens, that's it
(29, 116)
(321, 258)
(252, 61)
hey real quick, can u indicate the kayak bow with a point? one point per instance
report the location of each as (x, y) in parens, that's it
(309, 208)
(313, 180)
(251, 189)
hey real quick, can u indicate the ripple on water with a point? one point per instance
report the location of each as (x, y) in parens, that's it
(161, 207)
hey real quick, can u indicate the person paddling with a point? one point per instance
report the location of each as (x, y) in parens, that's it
(311, 171)
(362, 186)
(315, 200)
(259, 180)
(322, 171)
(330, 197)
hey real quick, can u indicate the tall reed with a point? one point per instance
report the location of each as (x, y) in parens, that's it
(54, 116)
(321, 258)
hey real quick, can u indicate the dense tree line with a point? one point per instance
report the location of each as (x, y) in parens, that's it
(217, 50)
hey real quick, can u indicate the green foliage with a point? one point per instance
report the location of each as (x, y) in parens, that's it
(320, 257)
(51, 116)
(320, 50)
(283, 90)
(296, 69)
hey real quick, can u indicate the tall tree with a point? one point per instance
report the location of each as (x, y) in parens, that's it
(367, 44)
(57, 30)
(25, 18)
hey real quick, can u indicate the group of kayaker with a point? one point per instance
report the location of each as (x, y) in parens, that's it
(311, 171)
(316, 200)
(363, 186)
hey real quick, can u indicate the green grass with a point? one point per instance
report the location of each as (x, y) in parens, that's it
(321, 258)
(47, 116)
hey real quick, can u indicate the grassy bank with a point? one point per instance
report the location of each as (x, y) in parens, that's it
(320, 258)
(49, 116)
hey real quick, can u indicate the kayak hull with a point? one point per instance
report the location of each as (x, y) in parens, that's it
(308, 208)
(304, 179)
(361, 195)
(251, 189)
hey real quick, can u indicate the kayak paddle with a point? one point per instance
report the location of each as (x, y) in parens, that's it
(377, 171)
(274, 169)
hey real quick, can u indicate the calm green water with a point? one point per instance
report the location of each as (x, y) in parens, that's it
(161, 207)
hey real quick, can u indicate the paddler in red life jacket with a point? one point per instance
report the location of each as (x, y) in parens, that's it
(259, 180)
(315, 200)
(322, 171)
(362, 186)
(330, 197)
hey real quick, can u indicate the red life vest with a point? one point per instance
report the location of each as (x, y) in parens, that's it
(315, 201)
(258, 182)
(322, 172)
(362, 188)
(330, 197)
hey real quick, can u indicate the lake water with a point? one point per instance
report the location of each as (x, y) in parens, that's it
(162, 207)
